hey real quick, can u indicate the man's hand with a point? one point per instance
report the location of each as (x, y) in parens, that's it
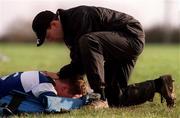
(52, 75)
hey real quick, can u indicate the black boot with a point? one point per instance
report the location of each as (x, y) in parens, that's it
(164, 86)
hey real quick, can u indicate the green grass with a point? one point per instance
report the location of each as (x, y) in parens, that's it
(153, 62)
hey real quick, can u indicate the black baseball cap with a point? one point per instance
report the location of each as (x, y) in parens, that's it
(40, 24)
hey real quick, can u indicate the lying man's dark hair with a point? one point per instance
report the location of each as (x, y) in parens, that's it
(68, 72)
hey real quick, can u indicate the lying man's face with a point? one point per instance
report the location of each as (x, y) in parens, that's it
(63, 88)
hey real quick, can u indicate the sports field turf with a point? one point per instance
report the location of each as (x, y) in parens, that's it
(155, 60)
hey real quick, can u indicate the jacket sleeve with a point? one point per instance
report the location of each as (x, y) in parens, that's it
(74, 68)
(83, 22)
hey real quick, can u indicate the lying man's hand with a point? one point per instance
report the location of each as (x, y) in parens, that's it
(52, 75)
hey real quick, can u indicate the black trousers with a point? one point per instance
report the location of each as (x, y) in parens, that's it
(108, 59)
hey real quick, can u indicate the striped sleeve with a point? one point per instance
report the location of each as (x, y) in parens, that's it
(29, 80)
(43, 88)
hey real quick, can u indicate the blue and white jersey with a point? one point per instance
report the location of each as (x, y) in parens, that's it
(31, 82)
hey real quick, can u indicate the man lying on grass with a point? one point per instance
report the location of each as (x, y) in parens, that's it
(38, 84)
(68, 84)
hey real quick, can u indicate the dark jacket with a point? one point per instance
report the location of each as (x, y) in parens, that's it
(85, 19)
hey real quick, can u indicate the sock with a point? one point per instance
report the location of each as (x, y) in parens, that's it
(101, 91)
(103, 97)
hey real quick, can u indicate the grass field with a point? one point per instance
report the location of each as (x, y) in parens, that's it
(153, 62)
